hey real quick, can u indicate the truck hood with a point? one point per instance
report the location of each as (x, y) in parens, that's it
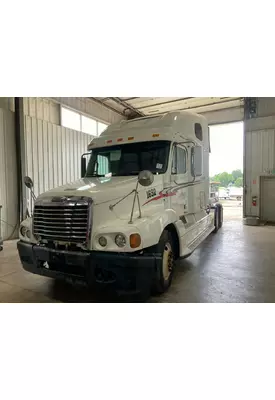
(101, 190)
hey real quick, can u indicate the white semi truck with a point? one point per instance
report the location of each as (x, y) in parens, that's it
(141, 204)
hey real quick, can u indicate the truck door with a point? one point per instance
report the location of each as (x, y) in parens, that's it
(179, 180)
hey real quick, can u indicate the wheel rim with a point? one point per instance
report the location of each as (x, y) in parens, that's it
(167, 261)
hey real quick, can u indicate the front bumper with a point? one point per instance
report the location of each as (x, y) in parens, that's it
(130, 272)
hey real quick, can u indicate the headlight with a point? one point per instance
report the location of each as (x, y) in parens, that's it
(23, 230)
(120, 240)
(102, 241)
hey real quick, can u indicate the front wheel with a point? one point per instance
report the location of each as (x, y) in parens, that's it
(165, 268)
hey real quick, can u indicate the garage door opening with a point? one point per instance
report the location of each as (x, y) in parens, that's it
(226, 167)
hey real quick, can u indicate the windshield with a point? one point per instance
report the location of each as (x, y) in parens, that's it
(129, 159)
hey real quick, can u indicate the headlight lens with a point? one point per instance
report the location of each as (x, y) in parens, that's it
(23, 230)
(120, 240)
(102, 241)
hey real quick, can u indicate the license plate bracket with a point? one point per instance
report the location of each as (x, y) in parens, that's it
(49, 256)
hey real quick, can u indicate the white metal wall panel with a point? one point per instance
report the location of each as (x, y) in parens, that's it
(8, 174)
(259, 152)
(42, 108)
(259, 160)
(89, 107)
(7, 103)
(268, 199)
(262, 123)
(53, 153)
(225, 116)
(265, 106)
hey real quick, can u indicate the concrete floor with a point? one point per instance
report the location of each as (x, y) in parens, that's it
(235, 265)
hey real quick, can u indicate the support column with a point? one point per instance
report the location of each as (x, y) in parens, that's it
(20, 154)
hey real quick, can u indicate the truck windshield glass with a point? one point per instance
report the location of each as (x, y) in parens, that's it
(129, 159)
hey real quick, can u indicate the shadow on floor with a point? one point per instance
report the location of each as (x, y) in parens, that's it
(65, 292)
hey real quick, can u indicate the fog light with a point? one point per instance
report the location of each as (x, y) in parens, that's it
(102, 241)
(23, 230)
(120, 240)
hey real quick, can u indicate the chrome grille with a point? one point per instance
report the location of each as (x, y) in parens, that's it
(65, 219)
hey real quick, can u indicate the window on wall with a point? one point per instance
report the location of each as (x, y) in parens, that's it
(88, 125)
(101, 127)
(74, 120)
(70, 119)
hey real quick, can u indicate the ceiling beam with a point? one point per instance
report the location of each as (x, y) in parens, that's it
(165, 102)
(128, 107)
(211, 104)
(101, 102)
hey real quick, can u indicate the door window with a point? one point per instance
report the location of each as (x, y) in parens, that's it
(179, 161)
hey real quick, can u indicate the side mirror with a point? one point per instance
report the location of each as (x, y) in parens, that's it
(145, 178)
(28, 182)
(83, 166)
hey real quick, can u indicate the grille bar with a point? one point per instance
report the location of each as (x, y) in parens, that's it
(41, 224)
(66, 219)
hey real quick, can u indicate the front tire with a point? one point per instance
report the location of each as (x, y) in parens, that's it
(216, 220)
(165, 268)
(220, 216)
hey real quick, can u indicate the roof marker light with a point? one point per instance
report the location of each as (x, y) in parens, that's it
(131, 138)
(155, 135)
(109, 141)
(120, 140)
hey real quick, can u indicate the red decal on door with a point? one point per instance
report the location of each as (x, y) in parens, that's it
(160, 196)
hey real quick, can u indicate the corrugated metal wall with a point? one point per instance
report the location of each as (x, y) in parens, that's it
(53, 153)
(42, 108)
(8, 173)
(7, 103)
(259, 160)
(225, 116)
(259, 151)
(48, 109)
(89, 107)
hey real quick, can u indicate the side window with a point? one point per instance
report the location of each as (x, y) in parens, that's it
(179, 161)
(198, 131)
(196, 161)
